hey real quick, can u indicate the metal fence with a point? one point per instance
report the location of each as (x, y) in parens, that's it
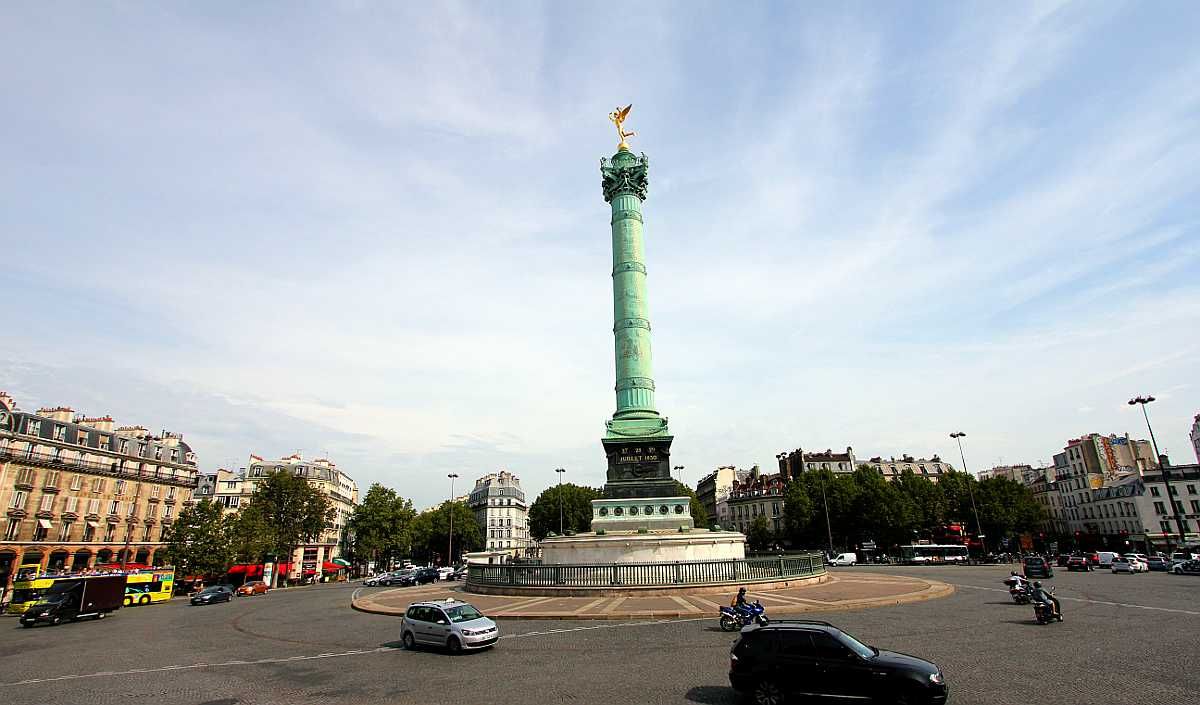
(647, 574)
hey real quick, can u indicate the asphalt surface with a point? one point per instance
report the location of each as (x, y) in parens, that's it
(1126, 639)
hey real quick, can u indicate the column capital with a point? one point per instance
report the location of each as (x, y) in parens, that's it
(624, 174)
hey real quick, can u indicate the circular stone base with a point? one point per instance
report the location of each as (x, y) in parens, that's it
(649, 591)
(652, 547)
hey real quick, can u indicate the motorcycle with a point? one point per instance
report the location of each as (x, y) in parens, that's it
(1019, 590)
(1044, 614)
(734, 618)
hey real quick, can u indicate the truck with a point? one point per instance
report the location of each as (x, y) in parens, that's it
(68, 600)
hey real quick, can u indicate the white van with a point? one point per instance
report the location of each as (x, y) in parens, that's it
(844, 559)
(1106, 558)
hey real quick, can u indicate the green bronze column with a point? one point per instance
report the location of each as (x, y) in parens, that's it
(638, 442)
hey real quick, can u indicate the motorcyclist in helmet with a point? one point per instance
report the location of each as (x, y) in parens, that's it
(1044, 597)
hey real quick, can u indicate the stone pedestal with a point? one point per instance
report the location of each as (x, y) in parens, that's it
(648, 513)
(653, 547)
(638, 467)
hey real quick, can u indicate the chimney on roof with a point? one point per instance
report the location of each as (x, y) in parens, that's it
(100, 423)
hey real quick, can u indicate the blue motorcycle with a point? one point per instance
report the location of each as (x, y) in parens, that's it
(734, 618)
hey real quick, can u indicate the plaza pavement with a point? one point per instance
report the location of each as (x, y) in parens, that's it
(839, 592)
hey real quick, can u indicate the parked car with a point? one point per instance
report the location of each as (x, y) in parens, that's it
(452, 624)
(1159, 562)
(400, 577)
(1079, 563)
(425, 575)
(844, 559)
(213, 593)
(1186, 568)
(800, 657)
(1062, 560)
(460, 574)
(1093, 558)
(254, 587)
(1106, 558)
(1037, 567)
(1179, 557)
(445, 572)
(1121, 564)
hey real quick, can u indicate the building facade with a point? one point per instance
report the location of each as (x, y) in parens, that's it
(1135, 511)
(1195, 436)
(754, 496)
(792, 463)
(233, 490)
(713, 492)
(931, 469)
(501, 512)
(79, 491)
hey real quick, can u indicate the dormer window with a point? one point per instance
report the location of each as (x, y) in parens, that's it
(33, 428)
(60, 433)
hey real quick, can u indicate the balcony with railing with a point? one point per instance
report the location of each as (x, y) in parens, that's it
(169, 476)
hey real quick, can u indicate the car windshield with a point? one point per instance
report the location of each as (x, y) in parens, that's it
(53, 598)
(210, 590)
(857, 646)
(463, 613)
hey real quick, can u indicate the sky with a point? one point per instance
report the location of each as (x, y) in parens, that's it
(376, 230)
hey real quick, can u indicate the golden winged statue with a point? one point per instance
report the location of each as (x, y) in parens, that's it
(618, 117)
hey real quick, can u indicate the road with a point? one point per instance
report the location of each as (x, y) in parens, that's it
(1126, 639)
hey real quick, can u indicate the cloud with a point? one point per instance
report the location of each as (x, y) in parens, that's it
(378, 231)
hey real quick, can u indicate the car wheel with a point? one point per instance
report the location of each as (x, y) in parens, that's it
(145, 600)
(410, 644)
(454, 644)
(766, 692)
(56, 621)
(100, 616)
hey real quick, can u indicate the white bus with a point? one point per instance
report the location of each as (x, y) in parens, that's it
(933, 554)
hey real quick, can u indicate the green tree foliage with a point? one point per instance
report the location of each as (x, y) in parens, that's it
(803, 521)
(759, 536)
(198, 543)
(699, 515)
(1007, 508)
(289, 512)
(379, 529)
(576, 510)
(429, 532)
(249, 537)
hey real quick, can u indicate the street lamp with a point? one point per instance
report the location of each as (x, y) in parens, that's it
(958, 436)
(1166, 475)
(825, 501)
(559, 472)
(450, 506)
(680, 469)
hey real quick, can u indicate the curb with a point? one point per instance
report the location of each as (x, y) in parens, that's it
(933, 590)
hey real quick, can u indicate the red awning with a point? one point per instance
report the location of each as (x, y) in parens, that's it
(237, 569)
(332, 567)
(310, 571)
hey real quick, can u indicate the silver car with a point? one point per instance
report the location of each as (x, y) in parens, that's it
(451, 623)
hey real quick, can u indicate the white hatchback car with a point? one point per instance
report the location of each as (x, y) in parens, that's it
(1130, 564)
(454, 625)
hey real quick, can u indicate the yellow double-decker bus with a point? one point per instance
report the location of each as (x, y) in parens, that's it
(28, 588)
(142, 587)
(148, 587)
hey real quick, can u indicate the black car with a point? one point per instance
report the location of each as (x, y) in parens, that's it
(1038, 567)
(213, 593)
(816, 659)
(425, 575)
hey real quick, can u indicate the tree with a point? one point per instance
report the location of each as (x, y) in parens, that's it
(699, 515)
(800, 514)
(198, 543)
(759, 535)
(885, 514)
(576, 510)
(249, 537)
(289, 511)
(430, 532)
(380, 526)
(1007, 507)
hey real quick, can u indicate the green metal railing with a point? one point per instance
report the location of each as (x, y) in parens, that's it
(647, 574)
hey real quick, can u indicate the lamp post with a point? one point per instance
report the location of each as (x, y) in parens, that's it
(559, 472)
(1166, 474)
(958, 436)
(680, 469)
(825, 501)
(450, 507)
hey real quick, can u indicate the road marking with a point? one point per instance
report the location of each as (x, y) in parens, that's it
(1090, 602)
(609, 609)
(685, 604)
(589, 605)
(709, 603)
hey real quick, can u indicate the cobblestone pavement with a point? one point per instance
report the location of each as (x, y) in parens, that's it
(1127, 639)
(838, 592)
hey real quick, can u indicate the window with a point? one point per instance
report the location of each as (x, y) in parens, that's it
(52, 479)
(72, 503)
(64, 533)
(146, 534)
(1191, 489)
(104, 442)
(110, 531)
(171, 492)
(1173, 489)
(1166, 527)
(76, 482)
(89, 533)
(81, 436)
(120, 488)
(124, 449)
(1196, 506)
(93, 506)
(167, 511)
(60, 432)
(1154, 492)
(113, 507)
(97, 485)
(18, 499)
(1179, 505)
(10, 533)
(158, 452)
(154, 491)
(47, 504)
(33, 428)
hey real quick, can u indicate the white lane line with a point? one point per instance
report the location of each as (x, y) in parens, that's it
(182, 667)
(341, 654)
(1090, 602)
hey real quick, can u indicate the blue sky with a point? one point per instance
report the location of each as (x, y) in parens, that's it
(377, 231)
